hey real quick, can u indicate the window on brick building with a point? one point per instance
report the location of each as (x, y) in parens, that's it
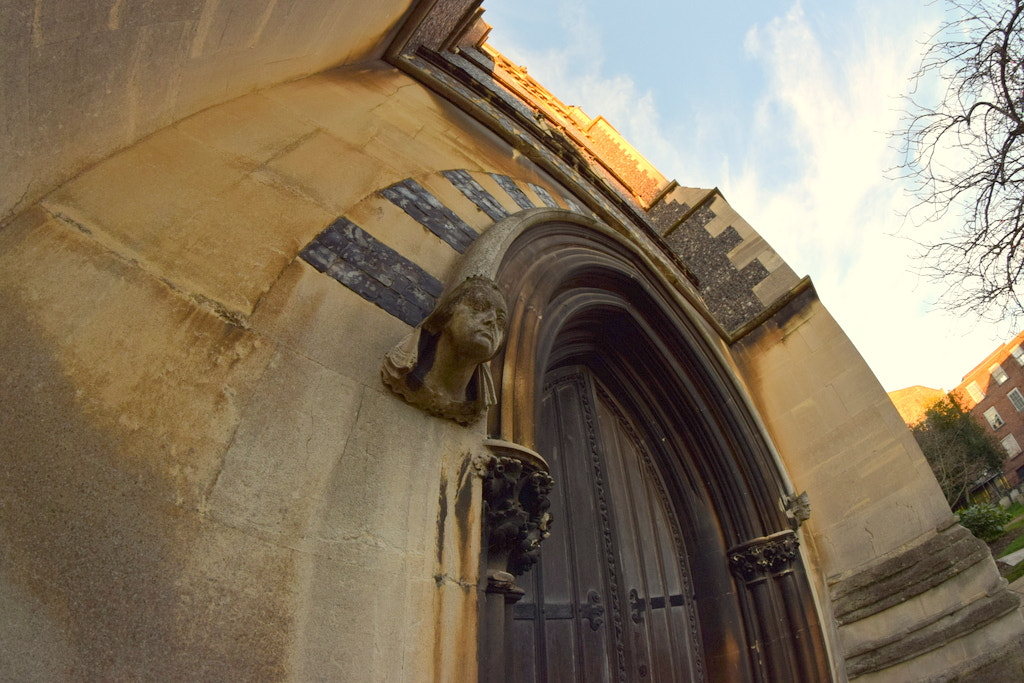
(1017, 399)
(994, 418)
(975, 392)
(1011, 446)
(998, 374)
(1018, 355)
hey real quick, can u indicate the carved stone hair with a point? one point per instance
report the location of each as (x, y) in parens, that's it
(437, 319)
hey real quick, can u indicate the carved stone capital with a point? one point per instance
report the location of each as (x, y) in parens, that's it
(481, 463)
(516, 485)
(763, 556)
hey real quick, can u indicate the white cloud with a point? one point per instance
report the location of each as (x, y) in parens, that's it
(812, 177)
(836, 216)
(575, 72)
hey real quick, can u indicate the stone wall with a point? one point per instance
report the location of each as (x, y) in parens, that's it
(204, 476)
(81, 80)
(912, 594)
(740, 276)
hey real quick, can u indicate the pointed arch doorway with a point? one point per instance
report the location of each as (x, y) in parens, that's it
(671, 556)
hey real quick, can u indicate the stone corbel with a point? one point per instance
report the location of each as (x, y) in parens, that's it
(516, 485)
(798, 509)
(441, 366)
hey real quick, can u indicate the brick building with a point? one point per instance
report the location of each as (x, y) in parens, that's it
(994, 392)
(912, 402)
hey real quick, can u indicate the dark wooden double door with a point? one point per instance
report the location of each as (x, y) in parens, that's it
(611, 599)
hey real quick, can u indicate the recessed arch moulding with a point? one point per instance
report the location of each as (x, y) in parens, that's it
(581, 293)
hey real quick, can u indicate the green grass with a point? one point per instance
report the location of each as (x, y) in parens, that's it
(1014, 528)
(1016, 509)
(1017, 544)
(1015, 573)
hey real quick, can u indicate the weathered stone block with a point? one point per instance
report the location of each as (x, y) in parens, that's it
(289, 438)
(412, 198)
(476, 194)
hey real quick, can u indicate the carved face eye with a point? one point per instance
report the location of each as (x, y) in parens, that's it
(483, 302)
(476, 328)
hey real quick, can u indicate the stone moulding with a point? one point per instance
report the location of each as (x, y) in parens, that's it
(905, 575)
(935, 633)
(635, 287)
(988, 666)
(897, 579)
(441, 46)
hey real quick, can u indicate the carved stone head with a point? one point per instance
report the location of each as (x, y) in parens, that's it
(472, 318)
(441, 367)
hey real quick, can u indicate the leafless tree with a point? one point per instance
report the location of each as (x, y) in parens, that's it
(962, 143)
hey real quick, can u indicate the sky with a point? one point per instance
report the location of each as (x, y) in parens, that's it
(786, 106)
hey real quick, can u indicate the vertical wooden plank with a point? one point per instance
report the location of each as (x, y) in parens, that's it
(629, 544)
(575, 411)
(522, 652)
(612, 533)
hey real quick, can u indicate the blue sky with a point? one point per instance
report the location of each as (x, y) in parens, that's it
(784, 105)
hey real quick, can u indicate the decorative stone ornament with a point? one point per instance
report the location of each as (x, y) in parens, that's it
(441, 367)
(798, 509)
(516, 486)
(762, 557)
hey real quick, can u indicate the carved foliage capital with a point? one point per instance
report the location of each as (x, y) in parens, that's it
(515, 494)
(764, 556)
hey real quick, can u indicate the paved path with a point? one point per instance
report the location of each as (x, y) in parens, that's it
(1013, 558)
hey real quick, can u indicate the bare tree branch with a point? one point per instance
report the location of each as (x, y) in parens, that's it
(963, 155)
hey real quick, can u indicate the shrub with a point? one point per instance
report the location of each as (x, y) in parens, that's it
(984, 520)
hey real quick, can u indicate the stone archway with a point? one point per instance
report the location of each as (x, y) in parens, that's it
(588, 303)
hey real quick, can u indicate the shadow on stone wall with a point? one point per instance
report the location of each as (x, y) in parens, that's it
(99, 563)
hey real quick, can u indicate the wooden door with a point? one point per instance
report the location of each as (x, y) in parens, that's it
(610, 599)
